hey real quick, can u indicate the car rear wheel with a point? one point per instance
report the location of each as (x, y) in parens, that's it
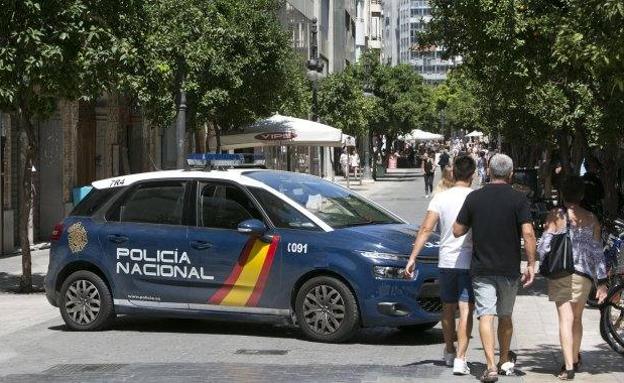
(327, 310)
(86, 303)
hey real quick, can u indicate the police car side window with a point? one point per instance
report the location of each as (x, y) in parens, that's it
(159, 203)
(224, 206)
(282, 214)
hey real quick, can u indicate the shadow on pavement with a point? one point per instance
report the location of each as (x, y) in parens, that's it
(383, 336)
(9, 283)
(546, 359)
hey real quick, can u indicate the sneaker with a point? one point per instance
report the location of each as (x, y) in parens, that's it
(449, 358)
(508, 368)
(460, 367)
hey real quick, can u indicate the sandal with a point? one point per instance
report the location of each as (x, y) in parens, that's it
(577, 365)
(489, 376)
(566, 374)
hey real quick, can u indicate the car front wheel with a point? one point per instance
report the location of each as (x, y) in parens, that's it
(326, 310)
(86, 303)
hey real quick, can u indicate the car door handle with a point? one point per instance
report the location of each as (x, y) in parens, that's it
(117, 238)
(201, 245)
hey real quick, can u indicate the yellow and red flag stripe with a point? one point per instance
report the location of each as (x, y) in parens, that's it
(244, 286)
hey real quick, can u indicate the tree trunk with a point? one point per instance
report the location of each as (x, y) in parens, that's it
(577, 152)
(546, 173)
(609, 179)
(217, 130)
(30, 146)
(564, 152)
(200, 141)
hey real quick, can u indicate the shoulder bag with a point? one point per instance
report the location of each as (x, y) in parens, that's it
(559, 261)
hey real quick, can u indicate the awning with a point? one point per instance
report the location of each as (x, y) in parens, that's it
(421, 135)
(279, 131)
(474, 133)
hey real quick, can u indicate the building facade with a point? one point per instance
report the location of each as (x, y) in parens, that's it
(368, 27)
(403, 21)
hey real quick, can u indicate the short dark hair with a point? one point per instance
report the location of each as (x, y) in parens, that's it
(463, 168)
(573, 189)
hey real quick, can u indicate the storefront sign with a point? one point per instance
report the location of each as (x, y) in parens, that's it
(276, 136)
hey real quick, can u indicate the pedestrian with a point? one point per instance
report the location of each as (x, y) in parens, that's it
(428, 167)
(445, 159)
(481, 168)
(454, 264)
(570, 292)
(344, 162)
(446, 181)
(354, 162)
(498, 216)
(594, 191)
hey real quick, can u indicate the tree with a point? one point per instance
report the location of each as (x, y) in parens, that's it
(232, 58)
(455, 101)
(545, 71)
(56, 49)
(343, 105)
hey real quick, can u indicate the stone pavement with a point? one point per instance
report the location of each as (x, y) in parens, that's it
(36, 347)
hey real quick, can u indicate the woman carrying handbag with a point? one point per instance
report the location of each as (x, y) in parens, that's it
(572, 234)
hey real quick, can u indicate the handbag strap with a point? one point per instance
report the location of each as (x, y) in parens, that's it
(567, 218)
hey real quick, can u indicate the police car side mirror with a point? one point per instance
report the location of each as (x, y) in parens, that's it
(253, 227)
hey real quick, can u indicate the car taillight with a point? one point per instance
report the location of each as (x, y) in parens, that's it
(57, 232)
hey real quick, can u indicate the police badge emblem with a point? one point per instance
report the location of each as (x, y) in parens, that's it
(77, 237)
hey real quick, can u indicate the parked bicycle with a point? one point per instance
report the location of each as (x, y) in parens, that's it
(612, 310)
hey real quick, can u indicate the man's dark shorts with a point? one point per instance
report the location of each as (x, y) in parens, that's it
(456, 286)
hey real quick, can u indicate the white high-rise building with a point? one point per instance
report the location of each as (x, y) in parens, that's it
(403, 20)
(368, 26)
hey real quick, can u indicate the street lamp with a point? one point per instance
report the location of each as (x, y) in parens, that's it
(315, 73)
(315, 67)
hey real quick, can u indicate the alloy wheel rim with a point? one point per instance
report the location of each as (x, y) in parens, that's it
(82, 302)
(324, 309)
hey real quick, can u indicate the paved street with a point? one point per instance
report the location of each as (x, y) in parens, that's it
(36, 347)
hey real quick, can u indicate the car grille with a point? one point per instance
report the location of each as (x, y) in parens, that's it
(430, 305)
(429, 297)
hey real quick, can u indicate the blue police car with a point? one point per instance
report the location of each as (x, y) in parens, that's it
(239, 244)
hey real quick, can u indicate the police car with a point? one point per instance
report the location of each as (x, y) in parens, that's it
(239, 244)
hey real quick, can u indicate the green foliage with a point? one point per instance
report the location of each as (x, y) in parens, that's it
(456, 102)
(232, 57)
(539, 67)
(62, 49)
(397, 101)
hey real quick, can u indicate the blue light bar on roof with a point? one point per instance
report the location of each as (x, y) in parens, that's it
(214, 160)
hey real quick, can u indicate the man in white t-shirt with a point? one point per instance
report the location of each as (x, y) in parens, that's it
(454, 263)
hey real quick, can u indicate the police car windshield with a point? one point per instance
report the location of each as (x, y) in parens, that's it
(333, 204)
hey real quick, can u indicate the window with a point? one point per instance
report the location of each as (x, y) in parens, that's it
(158, 203)
(224, 206)
(336, 206)
(282, 214)
(93, 201)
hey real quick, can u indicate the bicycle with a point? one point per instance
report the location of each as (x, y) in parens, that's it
(614, 244)
(612, 310)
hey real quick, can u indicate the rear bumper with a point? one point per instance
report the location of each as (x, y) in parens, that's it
(51, 293)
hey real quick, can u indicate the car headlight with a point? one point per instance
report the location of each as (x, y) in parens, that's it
(388, 272)
(384, 256)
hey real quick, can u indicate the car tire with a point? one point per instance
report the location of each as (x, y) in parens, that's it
(327, 310)
(421, 327)
(85, 302)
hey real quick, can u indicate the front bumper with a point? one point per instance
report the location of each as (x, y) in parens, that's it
(394, 302)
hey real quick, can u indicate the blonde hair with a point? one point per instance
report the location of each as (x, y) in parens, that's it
(446, 182)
